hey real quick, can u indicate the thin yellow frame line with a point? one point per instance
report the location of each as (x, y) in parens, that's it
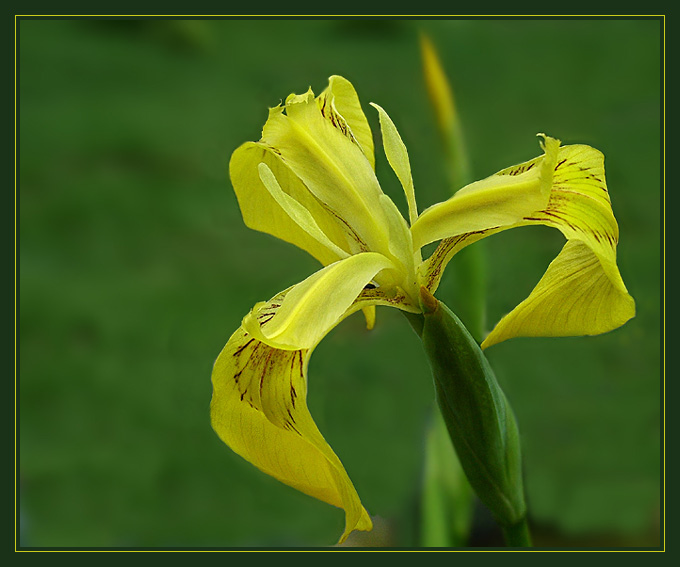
(326, 16)
(663, 167)
(15, 284)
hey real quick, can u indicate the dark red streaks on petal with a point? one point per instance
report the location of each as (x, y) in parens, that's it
(265, 368)
(272, 149)
(240, 349)
(299, 353)
(560, 218)
(293, 393)
(352, 233)
(265, 318)
(291, 427)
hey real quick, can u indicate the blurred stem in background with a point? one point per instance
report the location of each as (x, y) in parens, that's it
(447, 499)
(470, 265)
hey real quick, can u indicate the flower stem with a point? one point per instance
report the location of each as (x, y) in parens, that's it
(518, 535)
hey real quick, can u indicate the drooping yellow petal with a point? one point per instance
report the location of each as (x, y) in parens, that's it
(397, 156)
(259, 409)
(595, 299)
(339, 102)
(580, 206)
(574, 297)
(262, 212)
(315, 305)
(500, 200)
(330, 165)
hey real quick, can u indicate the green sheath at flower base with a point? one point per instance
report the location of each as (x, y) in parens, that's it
(476, 412)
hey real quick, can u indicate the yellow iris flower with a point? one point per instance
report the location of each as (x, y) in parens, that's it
(311, 181)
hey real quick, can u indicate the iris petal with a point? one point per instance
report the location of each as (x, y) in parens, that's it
(500, 200)
(330, 165)
(397, 156)
(339, 101)
(259, 409)
(315, 305)
(297, 212)
(262, 212)
(582, 292)
(574, 297)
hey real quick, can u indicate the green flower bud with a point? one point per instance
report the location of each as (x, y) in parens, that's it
(477, 414)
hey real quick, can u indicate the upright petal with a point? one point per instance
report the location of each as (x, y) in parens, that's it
(261, 211)
(259, 409)
(330, 165)
(401, 245)
(397, 156)
(297, 212)
(340, 102)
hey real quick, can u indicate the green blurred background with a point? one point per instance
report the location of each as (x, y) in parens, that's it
(135, 268)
